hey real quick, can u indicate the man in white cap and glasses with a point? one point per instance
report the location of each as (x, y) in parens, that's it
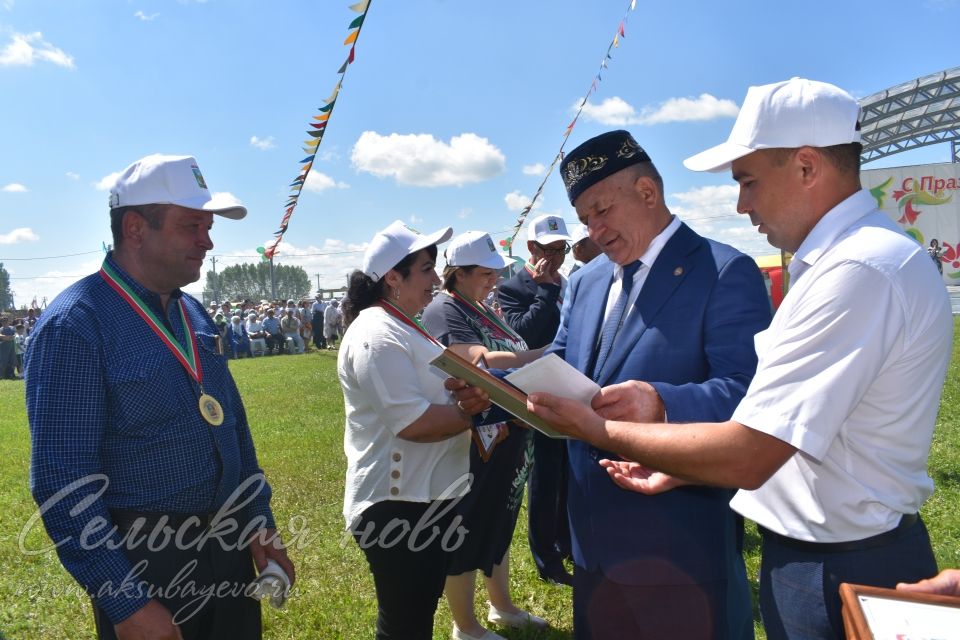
(531, 302)
(829, 446)
(138, 429)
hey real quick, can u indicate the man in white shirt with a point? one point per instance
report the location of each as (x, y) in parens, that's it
(829, 446)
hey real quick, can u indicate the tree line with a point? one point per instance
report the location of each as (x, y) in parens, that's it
(252, 282)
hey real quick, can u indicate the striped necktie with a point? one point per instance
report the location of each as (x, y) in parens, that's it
(615, 319)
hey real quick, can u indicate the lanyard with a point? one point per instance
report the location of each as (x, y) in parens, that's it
(407, 320)
(188, 358)
(484, 312)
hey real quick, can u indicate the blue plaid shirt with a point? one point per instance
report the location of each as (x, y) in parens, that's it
(106, 396)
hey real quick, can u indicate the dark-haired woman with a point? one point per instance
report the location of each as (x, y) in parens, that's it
(461, 320)
(406, 441)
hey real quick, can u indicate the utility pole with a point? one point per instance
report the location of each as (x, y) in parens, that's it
(318, 284)
(216, 281)
(273, 282)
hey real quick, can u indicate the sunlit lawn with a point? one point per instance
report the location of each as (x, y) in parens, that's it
(296, 412)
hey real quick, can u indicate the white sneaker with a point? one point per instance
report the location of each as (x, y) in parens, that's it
(463, 635)
(516, 620)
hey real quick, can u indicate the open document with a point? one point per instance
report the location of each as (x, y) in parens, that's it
(550, 374)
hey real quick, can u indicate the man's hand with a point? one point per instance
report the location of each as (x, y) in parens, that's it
(630, 401)
(266, 545)
(545, 272)
(567, 416)
(633, 476)
(947, 583)
(471, 400)
(152, 622)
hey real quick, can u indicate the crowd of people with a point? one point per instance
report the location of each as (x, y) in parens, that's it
(815, 423)
(271, 328)
(14, 338)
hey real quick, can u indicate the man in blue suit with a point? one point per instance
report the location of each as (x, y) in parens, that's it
(667, 318)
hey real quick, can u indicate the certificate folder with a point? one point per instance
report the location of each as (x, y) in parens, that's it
(874, 613)
(501, 393)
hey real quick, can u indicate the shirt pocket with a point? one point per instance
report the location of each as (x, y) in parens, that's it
(144, 396)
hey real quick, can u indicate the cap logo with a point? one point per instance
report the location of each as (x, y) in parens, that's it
(490, 245)
(198, 176)
(114, 200)
(552, 225)
(574, 172)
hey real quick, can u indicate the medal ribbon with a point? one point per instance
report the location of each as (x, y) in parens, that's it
(482, 310)
(407, 320)
(189, 359)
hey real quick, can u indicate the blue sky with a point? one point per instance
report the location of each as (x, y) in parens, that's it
(444, 117)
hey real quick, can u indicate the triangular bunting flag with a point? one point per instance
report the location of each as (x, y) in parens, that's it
(308, 159)
(350, 58)
(352, 37)
(360, 7)
(356, 22)
(326, 108)
(343, 67)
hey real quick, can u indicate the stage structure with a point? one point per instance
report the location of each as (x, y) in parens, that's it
(913, 114)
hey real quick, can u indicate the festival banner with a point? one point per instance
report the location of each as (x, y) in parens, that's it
(317, 128)
(925, 201)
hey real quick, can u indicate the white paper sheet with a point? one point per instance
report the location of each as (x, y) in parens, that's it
(554, 375)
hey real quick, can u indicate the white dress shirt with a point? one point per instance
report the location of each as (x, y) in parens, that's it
(850, 373)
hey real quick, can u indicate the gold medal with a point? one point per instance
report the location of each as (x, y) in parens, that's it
(211, 410)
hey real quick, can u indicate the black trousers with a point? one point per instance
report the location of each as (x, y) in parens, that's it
(548, 527)
(409, 568)
(234, 616)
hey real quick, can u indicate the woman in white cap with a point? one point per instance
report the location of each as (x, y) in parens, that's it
(406, 442)
(461, 320)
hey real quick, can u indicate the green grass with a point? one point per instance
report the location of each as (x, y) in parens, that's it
(296, 411)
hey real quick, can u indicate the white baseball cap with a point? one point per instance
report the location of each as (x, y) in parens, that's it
(785, 115)
(546, 229)
(579, 233)
(474, 248)
(160, 179)
(395, 243)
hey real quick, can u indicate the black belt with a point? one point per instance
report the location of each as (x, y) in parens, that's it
(879, 540)
(125, 519)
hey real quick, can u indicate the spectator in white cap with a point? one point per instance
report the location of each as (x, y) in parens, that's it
(583, 248)
(501, 457)
(125, 369)
(531, 302)
(332, 324)
(258, 337)
(829, 446)
(407, 443)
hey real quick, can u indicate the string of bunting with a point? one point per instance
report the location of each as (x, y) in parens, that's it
(317, 128)
(615, 43)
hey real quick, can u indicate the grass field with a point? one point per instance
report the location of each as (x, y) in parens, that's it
(296, 412)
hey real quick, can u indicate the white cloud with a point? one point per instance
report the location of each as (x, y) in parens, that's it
(712, 212)
(320, 182)
(27, 48)
(15, 187)
(464, 213)
(107, 181)
(73, 176)
(414, 219)
(534, 169)
(144, 17)
(423, 161)
(223, 199)
(23, 234)
(516, 201)
(262, 143)
(616, 111)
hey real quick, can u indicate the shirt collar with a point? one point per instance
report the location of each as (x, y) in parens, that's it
(151, 298)
(829, 228)
(656, 246)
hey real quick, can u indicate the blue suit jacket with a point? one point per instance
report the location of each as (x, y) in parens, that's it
(689, 334)
(531, 309)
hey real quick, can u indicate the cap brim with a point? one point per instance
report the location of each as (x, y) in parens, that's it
(437, 237)
(234, 213)
(717, 158)
(547, 238)
(495, 261)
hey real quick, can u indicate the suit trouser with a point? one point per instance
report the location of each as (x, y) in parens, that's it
(800, 589)
(168, 571)
(548, 527)
(606, 610)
